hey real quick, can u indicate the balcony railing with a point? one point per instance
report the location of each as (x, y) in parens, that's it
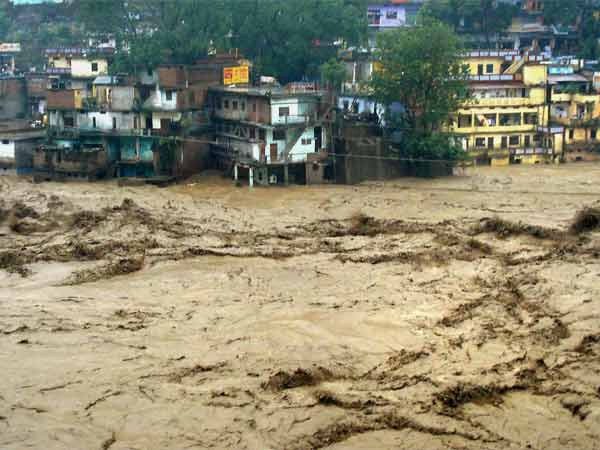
(504, 101)
(493, 129)
(501, 77)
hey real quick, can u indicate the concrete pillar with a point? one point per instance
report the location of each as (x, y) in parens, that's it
(251, 176)
(286, 175)
(138, 149)
(235, 172)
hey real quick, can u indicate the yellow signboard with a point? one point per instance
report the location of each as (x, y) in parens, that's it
(236, 75)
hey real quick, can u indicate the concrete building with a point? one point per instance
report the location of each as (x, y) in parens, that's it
(17, 143)
(576, 107)
(261, 128)
(13, 98)
(8, 54)
(507, 120)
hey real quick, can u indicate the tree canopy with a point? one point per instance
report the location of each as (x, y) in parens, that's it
(488, 17)
(286, 39)
(421, 69)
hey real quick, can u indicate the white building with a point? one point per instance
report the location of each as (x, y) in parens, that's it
(268, 125)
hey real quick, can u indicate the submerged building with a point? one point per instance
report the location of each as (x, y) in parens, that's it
(272, 132)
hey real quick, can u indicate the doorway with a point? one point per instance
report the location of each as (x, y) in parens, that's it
(273, 152)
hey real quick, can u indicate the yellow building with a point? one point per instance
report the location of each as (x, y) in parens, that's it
(576, 107)
(507, 119)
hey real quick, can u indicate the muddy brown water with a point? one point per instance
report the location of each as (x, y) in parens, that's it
(342, 317)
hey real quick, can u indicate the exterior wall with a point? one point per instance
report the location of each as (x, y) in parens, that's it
(300, 151)
(82, 68)
(104, 121)
(535, 74)
(7, 149)
(171, 77)
(300, 110)
(382, 15)
(65, 99)
(158, 116)
(158, 100)
(474, 63)
(13, 98)
(249, 108)
(116, 98)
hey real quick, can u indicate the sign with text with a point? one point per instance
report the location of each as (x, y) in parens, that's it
(236, 75)
(10, 47)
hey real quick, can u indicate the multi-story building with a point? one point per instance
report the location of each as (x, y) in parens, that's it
(389, 14)
(355, 98)
(507, 119)
(8, 54)
(265, 129)
(576, 107)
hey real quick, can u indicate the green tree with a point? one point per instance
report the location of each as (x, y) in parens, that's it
(4, 20)
(421, 69)
(488, 17)
(333, 73)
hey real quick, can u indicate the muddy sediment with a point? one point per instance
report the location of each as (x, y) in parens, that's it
(411, 314)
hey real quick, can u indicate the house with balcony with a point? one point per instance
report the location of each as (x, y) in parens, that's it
(575, 105)
(355, 99)
(506, 121)
(271, 132)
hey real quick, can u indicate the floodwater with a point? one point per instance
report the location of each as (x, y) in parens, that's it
(410, 314)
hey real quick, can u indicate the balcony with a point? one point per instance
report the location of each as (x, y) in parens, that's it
(504, 101)
(586, 98)
(564, 97)
(496, 129)
(502, 77)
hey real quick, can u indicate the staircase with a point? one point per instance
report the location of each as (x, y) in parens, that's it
(515, 66)
(297, 132)
(293, 135)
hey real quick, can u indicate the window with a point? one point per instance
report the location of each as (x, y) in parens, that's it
(511, 119)
(243, 104)
(571, 134)
(391, 15)
(94, 122)
(69, 122)
(284, 111)
(594, 133)
(504, 142)
(514, 140)
(530, 118)
(489, 68)
(234, 105)
(479, 142)
(94, 67)
(279, 135)
(114, 123)
(254, 107)
(169, 95)
(5, 142)
(465, 121)
(252, 133)
(262, 135)
(527, 141)
(149, 72)
(480, 69)
(306, 141)
(346, 105)
(226, 104)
